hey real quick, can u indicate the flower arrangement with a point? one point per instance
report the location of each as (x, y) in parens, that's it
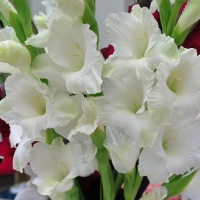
(131, 117)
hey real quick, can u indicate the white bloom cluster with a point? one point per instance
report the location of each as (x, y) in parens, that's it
(150, 104)
(72, 67)
(151, 99)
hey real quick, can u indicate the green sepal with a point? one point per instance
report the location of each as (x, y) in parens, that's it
(24, 13)
(51, 135)
(74, 192)
(174, 16)
(98, 137)
(17, 26)
(89, 18)
(177, 184)
(165, 12)
(179, 38)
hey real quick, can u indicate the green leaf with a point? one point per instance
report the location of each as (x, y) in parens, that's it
(4, 20)
(165, 12)
(17, 25)
(177, 184)
(174, 16)
(179, 38)
(24, 13)
(91, 5)
(89, 18)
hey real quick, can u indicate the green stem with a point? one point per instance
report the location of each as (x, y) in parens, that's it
(129, 182)
(107, 180)
(106, 174)
(118, 182)
(138, 181)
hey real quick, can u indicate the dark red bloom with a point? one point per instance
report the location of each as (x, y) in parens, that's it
(106, 52)
(193, 39)
(6, 152)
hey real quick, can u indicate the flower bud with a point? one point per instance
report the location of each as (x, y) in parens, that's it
(5, 8)
(40, 20)
(14, 53)
(189, 16)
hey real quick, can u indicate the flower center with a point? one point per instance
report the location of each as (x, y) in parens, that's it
(177, 80)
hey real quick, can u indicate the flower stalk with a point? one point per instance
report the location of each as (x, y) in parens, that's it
(104, 168)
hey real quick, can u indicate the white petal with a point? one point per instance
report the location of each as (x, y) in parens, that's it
(75, 50)
(22, 154)
(6, 68)
(156, 194)
(44, 67)
(130, 33)
(120, 145)
(39, 40)
(15, 135)
(152, 166)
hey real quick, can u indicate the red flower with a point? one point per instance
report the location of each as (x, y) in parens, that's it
(106, 52)
(193, 39)
(6, 152)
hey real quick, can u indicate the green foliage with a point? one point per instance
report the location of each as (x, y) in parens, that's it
(91, 5)
(17, 26)
(165, 11)
(174, 16)
(24, 14)
(177, 184)
(4, 20)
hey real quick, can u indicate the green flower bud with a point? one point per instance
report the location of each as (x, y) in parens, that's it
(14, 53)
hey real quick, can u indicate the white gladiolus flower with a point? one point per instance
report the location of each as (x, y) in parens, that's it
(69, 10)
(22, 140)
(86, 120)
(123, 150)
(29, 103)
(156, 194)
(62, 164)
(138, 44)
(124, 106)
(173, 151)
(60, 8)
(177, 91)
(72, 51)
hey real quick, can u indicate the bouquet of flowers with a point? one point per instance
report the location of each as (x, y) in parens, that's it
(131, 117)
